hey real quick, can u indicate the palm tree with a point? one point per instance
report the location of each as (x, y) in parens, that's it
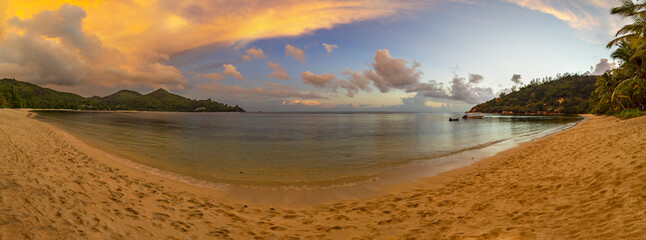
(635, 11)
(627, 84)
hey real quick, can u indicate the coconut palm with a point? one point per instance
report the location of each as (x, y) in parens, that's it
(626, 85)
(637, 12)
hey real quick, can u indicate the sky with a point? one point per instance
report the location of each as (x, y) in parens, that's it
(293, 55)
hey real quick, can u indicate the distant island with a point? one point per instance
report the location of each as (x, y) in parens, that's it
(565, 94)
(18, 94)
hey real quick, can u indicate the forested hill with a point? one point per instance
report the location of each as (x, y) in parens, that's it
(17, 94)
(568, 94)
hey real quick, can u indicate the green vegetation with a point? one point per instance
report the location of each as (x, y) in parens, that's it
(17, 94)
(621, 91)
(630, 113)
(565, 94)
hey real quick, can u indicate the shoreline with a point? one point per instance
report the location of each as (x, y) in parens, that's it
(583, 182)
(378, 185)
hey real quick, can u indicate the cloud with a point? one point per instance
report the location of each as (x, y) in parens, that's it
(253, 52)
(329, 47)
(516, 79)
(357, 79)
(388, 72)
(278, 73)
(303, 102)
(589, 18)
(460, 90)
(295, 52)
(579, 20)
(319, 81)
(475, 78)
(355, 82)
(282, 91)
(127, 42)
(467, 91)
(431, 89)
(271, 90)
(603, 66)
(53, 48)
(231, 71)
(211, 76)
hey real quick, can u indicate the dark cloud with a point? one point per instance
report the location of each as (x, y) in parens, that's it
(475, 78)
(516, 79)
(431, 89)
(418, 100)
(603, 66)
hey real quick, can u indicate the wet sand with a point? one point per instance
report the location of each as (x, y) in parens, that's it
(585, 182)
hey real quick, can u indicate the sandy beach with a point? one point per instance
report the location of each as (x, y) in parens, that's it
(587, 182)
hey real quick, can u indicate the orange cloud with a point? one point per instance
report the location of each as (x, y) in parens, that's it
(212, 76)
(577, 21)
(320, 81)
(134, 37)
(310, 103)
(253, 52)
(278, 73)
(231, 71)
(303, 102)
(295, 52)
(272, 90)
(52, 47)
(329, 47)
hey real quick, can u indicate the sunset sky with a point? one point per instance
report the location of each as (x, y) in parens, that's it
(292, 55)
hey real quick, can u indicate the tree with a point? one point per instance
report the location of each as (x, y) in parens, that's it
(15, 101)
(624, 88)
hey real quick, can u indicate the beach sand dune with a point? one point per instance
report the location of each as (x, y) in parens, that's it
(588, 182)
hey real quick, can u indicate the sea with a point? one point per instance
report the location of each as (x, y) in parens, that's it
(311, 150)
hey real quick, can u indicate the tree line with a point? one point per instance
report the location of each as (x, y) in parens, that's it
(17, 94)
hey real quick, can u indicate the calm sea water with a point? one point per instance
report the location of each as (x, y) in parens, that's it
(289, 149)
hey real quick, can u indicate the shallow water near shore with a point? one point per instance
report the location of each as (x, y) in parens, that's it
(299, 150)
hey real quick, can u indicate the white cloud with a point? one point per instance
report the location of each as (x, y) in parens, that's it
(603, 66)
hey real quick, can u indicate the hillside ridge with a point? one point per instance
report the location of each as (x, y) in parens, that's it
(567, 94)
(18, 94)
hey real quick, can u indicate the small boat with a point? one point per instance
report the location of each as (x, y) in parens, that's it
(453, 119)
(467, 116)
